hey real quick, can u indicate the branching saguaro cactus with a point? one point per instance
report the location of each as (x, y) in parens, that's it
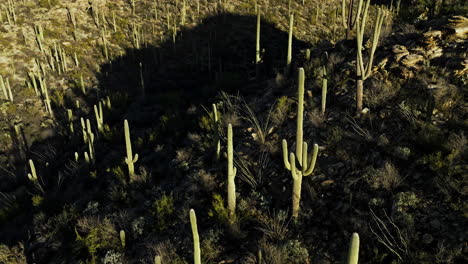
(99, 117)
(130, 159)
(33, 175)
(353, 253)
(196, 238)
(305, 168)
(364, 71)
(6, 88)
(347, 21)
(231, 171)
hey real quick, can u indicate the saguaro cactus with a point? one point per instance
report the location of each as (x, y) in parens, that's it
(290, 35)
(123, 241)
(353, 253)
(157, 260)
(257, 47)
(130, 159)
(305, 168)
(364, 71)
(231, 171)
(33, 175)
(99, 117)
(196, 238)
(218, 142)
(324, 90)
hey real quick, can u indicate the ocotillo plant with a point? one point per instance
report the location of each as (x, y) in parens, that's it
(130, 159)
(231, 171)
(353, 253)
(364, 71)
(196, 238)
(305, 168)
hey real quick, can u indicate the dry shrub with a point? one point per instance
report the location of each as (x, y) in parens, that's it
(167, 252)
(206, 180)
(316, 118)
(275, 226)
(386, 177)
(281, 110)
(379, 91)
(457, 142)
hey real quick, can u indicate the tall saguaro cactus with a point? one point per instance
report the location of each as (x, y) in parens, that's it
(130, 159)
(305, 168)
(353, 253)
(290, 35)
(365, 71)
(257, 47)
(196, 238)
(231, 171)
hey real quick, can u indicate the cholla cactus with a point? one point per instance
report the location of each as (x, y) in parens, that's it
(305, 168)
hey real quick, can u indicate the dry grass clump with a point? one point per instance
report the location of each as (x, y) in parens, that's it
(379, 92)
(386, 177)
(275, 226)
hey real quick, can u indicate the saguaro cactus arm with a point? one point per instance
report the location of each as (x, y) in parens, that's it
(287, 164)
(311, 166)
(33, 175)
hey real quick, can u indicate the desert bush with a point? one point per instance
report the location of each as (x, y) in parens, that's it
(274, 226)
(316, 118)
(281, 110)
(12, 255)
(96, 235)
(386, 177)
(219, 210)
(163, 210)
(167, 251)
(210, 246)
(380, 91)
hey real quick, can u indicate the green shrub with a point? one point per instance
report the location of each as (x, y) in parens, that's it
(219, 210)
(96, 236)
(163, 210)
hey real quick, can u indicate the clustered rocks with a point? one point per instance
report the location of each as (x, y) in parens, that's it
(433, 44)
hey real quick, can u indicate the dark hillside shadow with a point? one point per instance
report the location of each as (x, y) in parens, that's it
(219, 53)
